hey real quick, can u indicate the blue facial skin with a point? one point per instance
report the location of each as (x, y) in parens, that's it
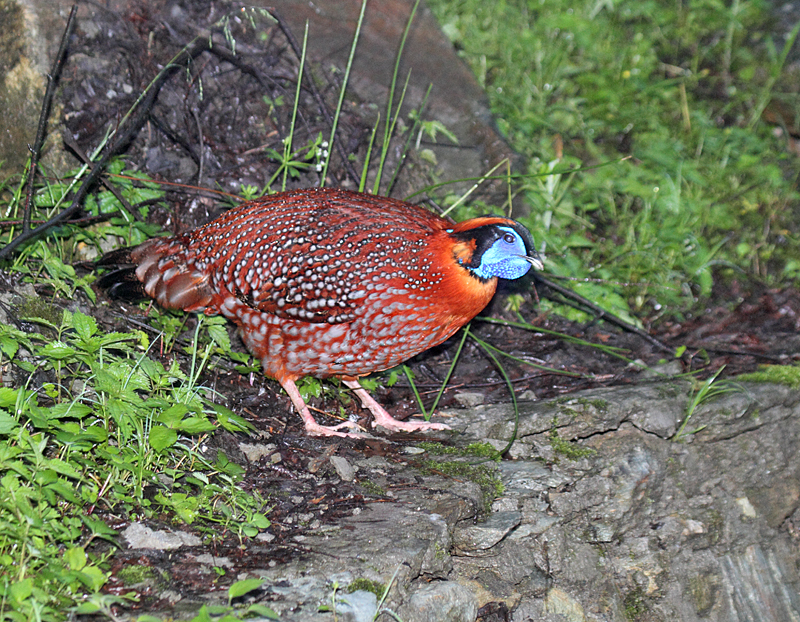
(507, 258)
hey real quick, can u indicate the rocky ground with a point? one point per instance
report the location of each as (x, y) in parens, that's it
(597, 511)
(602, 517)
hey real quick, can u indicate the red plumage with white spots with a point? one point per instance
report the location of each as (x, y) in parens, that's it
(326, 282)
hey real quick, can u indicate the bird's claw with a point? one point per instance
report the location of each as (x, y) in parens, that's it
(315, 429)
(393, 425)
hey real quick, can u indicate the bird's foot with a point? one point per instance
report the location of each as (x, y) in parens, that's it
(382, 418)
(393, 425)
(312, 427)
(315, 429)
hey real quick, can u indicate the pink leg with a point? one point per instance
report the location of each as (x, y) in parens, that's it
(312, 427)
(384, 419)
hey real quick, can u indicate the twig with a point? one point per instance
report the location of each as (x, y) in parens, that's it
(83, 157)
(41, 131)
(601, 313)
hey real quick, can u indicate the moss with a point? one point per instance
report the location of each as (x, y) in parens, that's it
(35, 308)
(704, 589)
(568, 449)
(476, 450)
(367, 585)
(600, 405)
(132, 575)
(634, 605)
(372, 488)
(568, 404)
(481, 474)
(788, 375)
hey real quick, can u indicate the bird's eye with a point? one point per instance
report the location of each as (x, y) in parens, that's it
(508, 238)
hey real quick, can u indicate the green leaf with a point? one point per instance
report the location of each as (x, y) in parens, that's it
(203, 615)
(87, 608)
(161, 437)
(219, 335)
(195, 425)
(97, 526)
(8, 397)
(240, 588)
(7, 423)
(9, 346)
(21, 590)
(93, 578)
(74, 410)
(63, 468)
(173, 415)
(260, 521)
(84, 325)
(57, 350)
(262, 611)
(75, 557)
(230, 420)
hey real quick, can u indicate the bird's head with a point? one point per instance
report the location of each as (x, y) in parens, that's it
(492, 246)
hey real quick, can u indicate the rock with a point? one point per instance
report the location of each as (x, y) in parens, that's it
(255, 451)
(469, 400)
(443, 601)
(139, 536)
(476, 539)
(562, 604)
(657, 409)
(360, 606)
(343, 468)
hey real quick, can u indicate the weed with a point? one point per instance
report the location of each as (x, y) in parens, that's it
(706, 391)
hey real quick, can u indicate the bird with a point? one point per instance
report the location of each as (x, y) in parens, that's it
(327, 282)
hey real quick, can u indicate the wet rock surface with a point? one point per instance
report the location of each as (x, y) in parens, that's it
(635, 526)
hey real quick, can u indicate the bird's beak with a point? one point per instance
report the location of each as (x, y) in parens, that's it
(535, 261)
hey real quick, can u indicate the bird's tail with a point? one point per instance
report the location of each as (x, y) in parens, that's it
(161, 269)
(120, 281)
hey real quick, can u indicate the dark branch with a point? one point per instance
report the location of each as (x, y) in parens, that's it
(41, 131)
(601, 313)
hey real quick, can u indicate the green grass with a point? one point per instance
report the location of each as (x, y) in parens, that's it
(707, 190)
(111, 431)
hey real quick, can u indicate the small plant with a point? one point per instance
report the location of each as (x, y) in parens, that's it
(705, 392)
